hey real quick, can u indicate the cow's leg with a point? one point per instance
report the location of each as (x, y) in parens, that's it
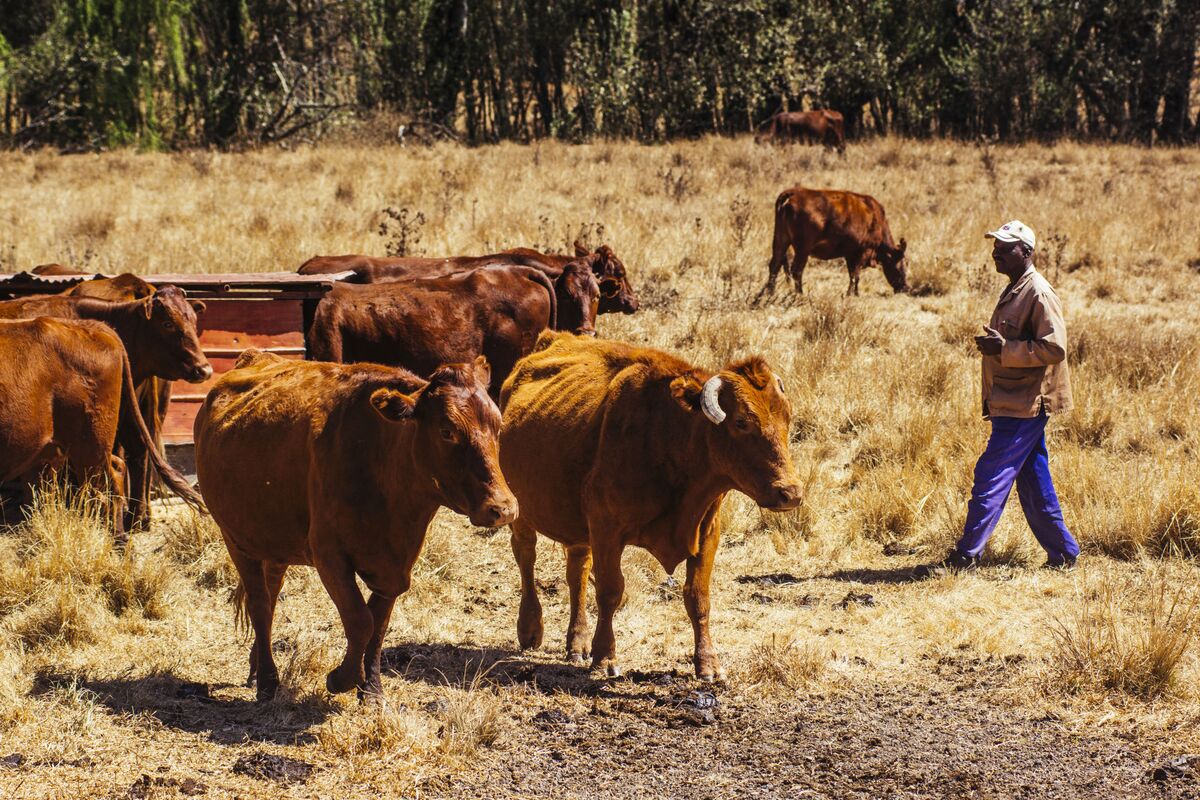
(137, 510)
(799, 262)
(854, 269)
(610, 589)
(579, 564)
(696, 597)
(117, 479)
(529, 618)
(273, 574)
(338, 578)
(381, 606)
(259, 609)
(779, 248)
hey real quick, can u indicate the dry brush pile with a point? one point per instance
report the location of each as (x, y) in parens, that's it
(886, 430)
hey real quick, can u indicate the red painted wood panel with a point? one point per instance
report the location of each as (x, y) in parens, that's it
(226, 328)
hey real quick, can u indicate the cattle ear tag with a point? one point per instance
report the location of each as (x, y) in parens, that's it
(686, 391)
(393, 405)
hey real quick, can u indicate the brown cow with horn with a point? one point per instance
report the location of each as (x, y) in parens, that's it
(607, 445)
(342, 467)
(64, 384)
(616, 293)
(828, 224)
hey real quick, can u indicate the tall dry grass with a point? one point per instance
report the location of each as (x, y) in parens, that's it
(886, 430)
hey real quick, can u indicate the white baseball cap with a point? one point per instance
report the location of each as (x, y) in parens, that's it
(1015, 231)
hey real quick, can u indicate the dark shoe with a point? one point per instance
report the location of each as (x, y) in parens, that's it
(1064, 564)
(953, 562)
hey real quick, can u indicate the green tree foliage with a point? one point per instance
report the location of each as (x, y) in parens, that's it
(95, 73)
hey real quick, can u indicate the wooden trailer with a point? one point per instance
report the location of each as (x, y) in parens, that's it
(271, 311)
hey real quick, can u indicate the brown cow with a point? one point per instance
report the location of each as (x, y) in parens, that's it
(607, 445)
(159, 333)
(496, 312)
(616, 293)
(342, 467)
(64, 385)
(824, 126)
(153, 397)
(832, 224)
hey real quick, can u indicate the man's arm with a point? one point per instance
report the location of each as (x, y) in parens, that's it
(1049, 343)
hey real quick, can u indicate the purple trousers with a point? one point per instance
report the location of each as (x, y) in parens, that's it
(1016, 452)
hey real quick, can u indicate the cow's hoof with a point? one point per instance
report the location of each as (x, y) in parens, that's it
(612, 669)
(711, 675)
(370, 695)
(530, 640)
(576, 659)
(337, 683)
(266, 691)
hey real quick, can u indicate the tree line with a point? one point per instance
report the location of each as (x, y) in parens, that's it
(86, 74)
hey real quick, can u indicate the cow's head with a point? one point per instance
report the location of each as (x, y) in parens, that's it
(458, 426)
(616, 294)
(578, 298)
(747, 417)
(895, 265)
(171, 349)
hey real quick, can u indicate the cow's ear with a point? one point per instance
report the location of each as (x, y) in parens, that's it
(686, 389)
(393, 405)
(198, 306)
(580, 250)
(149, 306)
(483, 370)
(754, 370)
(903, 246)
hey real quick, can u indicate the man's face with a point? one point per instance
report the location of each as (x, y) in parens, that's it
(1009, 257)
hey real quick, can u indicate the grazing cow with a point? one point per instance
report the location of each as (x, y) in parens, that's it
(831, 224)
(496, 312)
(342, 467)
(607, 445)
(616, 293)
(64, 385)
(824, 126)
(159, 333)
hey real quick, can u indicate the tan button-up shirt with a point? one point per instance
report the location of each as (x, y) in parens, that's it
(1030, 374)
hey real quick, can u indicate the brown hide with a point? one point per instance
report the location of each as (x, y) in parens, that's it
(823, 126)
(606, 445)
(496, 312)
(64, 387)
(826, 224)
(617, 294)
(159, 333)
(341, 467)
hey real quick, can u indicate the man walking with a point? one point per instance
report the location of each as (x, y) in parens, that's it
(1025, 379)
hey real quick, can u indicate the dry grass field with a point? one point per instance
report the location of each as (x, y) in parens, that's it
(120, 674)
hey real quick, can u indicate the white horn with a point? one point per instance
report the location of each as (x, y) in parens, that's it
(709, 403)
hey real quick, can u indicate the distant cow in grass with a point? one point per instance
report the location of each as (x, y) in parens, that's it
(829, 224)
(815, 127)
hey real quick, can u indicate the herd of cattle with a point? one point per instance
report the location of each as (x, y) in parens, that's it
(475, 383)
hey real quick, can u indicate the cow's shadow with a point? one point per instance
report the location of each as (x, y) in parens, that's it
(197, 708)
(449, 665)
(870, 576)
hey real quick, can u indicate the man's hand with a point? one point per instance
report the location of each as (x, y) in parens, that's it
(991, 344)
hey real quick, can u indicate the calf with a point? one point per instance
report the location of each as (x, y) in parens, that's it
(342, 467)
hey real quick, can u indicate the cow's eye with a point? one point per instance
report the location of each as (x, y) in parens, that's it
(448, 434)
(742, 424)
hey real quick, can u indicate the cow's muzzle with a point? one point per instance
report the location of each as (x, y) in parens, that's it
(496, 512)
(201, 373)
(784, 497)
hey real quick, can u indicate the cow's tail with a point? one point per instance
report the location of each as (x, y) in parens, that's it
(241, 609)
(537, 276)
(133, 416)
